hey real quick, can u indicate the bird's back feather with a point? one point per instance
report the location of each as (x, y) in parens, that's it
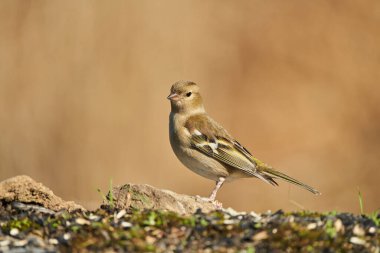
(208, 137)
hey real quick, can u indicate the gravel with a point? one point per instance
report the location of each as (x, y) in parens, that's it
(30, 228)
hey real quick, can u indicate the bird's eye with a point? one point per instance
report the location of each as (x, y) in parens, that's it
(188, 94)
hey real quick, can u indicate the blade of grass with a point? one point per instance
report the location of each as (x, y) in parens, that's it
(111, 200)
(361, 202)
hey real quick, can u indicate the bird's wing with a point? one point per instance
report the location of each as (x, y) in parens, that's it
(211, 139)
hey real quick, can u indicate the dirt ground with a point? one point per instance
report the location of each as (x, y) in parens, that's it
(30, 223)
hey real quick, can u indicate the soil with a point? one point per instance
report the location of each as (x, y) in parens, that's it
(28, 224)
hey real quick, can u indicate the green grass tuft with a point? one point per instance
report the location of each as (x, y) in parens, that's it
(361, 202)
(109, 198)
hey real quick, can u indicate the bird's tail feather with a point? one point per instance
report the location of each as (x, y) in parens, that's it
(269, 172)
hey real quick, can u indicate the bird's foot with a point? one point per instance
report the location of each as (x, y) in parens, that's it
(218, 205)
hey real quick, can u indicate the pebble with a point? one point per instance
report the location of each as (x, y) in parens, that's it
(4, 243)
(14, 232)
(256, 216)
(311, 226)
(229, 222)
(105, 235)
(150, 239)
(229, 227)
(66, 236)
(260, 236)
(36, 241)
(372, 230)
(53, 241)
(338, 224)
(358, 230)
(27, 207)
(82, 221)
(126, 224)
(20, 243)
(121, 214)
(357, 240)
(232, 212)
(94, 217)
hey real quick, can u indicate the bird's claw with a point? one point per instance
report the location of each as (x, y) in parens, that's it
(218, 205)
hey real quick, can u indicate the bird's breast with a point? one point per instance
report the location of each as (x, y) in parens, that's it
(191, 158)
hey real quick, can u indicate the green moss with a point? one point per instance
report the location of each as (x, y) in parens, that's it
(189, 221)
(23, 224)
(375, 217)
(152, 219)
(250, 249)
(330, 229)
(150, 248)
(75, 228)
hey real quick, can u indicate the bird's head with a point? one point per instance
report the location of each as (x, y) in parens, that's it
(185, 98)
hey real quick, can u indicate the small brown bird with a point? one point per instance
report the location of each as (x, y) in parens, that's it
(207, 149)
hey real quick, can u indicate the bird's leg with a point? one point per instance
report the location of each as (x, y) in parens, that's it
(217, 187)
(212, 197)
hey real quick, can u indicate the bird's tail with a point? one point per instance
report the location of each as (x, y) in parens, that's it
(269, 172)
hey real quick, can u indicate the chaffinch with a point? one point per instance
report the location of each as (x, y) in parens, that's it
(206, 148)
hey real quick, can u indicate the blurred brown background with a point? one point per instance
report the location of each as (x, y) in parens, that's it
(83, 88)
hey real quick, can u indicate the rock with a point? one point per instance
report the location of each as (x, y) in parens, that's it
(142, 196)
(26, 190)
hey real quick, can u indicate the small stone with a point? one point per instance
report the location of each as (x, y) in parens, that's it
(14, 232)
(260, 236)
(82, 221)
(126, 224)
(120, 214)
(20, 243)
(94, 217)
(256, 216)
(357, 240)
(53, 241)
(66, 236)
(231, 212)
(229, 222)
(311, 226)
(4, 243)
(274, 231)
(150, 239)
(229, 227)
(358, 230)
(372, 230)
(105, 235)
(338, 224)
(35, 241)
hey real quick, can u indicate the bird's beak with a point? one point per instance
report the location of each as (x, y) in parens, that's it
(173, 97)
